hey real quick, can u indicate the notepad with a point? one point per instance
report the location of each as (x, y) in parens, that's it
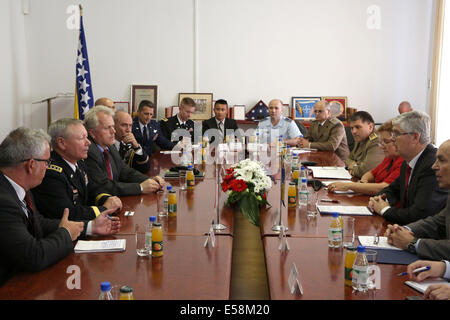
(422, 286)
(100, 246)
(368, 242)
(330, 173)
(345, 210)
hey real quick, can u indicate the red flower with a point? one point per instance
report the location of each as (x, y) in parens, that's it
(228, 178)
(225, 186)
(238, 185)
(229, 171)
(264, 196)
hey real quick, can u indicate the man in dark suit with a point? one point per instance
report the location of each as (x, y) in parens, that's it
(430, 237)
(125, 142)
(104, 165)
(30, 242)
(220, 122)
(65, 184)
(148, 131)
(415, 194)
(182, 120)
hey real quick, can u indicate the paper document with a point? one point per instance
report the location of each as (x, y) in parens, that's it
(100, 246)
(376, 243)
(330, 173)
(422, 286)
(326, 183)
(345, 210)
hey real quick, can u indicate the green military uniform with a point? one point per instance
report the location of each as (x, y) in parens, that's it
(329, 137)
(367, 155)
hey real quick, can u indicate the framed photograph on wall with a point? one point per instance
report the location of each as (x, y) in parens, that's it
(203, 102)
(304, 107)
(122, 106)
(144, 92)
(337, 105)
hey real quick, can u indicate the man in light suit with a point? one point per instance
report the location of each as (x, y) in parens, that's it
(220, 121)
(104, 165)
(415, 194)
(430, 237)
(28, 241)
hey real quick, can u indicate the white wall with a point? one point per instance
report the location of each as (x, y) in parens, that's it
(247, 50)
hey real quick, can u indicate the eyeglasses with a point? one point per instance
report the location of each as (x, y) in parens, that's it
(383, 143)
(396, 134)
(48, 161)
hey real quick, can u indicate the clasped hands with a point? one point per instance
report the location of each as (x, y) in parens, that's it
(378, 203)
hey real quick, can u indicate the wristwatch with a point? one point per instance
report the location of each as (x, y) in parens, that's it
(412, 246)
(136, 149)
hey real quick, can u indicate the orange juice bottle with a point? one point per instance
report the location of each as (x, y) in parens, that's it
(350, 257)
(157, 240)
(292, 195)
(295, 175)
(126, 293)
(190, 178)
(203, 153)
(172, 204)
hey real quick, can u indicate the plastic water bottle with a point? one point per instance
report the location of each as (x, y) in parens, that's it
(184, 159)
(166, 199)
(303, 174)
(148, 235)
(360, 274)
(303, 194)
(335, 232)
(105, 291)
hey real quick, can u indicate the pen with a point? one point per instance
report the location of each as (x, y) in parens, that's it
(109, 217)
(418, 270)
(329, 200)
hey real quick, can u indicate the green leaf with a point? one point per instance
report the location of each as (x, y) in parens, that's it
(249, 208)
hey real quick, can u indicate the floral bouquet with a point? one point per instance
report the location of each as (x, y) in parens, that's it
(247, 184)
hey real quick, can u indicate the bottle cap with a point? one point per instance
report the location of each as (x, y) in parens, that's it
(190, 167)
(351, 248)
(292, 183)
(361, 248)
(335, 214)
(288, 146)
(169, 188)
(281, 136)
(105, 286)
(152, 218)
(126, 289)
(302, 168)
(303, 179)
(157, 224)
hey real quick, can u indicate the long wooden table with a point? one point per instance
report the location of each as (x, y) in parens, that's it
(190, 271)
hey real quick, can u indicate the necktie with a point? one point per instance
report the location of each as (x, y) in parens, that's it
(408, 174)
(145, 134)
(221, 126)
(30, 210)
(108, 164)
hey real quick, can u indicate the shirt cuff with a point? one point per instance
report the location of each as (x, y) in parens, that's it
(139, 151)
(89, 229)
(447, 270)
(384, 210)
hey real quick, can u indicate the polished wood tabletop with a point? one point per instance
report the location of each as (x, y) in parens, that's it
(190, 271)
(321, 273)
(187, 271)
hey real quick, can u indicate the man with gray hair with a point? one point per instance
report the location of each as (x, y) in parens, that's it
(65, 184)
(326, 133)
(104, 165)
(415, 194)
(30, 242)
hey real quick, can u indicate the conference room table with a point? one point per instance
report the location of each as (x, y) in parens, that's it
(188, 270)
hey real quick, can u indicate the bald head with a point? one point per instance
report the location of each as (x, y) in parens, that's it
(122, 124)
(404, 106)
(442, 165)
(275, 110)
(107, 102)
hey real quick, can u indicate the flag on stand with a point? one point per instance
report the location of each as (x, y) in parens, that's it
(84, 99)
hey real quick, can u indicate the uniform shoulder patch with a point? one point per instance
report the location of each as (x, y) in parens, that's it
(373, 136)
(55, 168)
(288, 119)
(164, 119)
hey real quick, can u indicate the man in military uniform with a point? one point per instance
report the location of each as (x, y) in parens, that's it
(326, 133)
(65, 184)
(148, 131)
(180, 121)
(125, 142)
(276, 125)
(366, 153)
